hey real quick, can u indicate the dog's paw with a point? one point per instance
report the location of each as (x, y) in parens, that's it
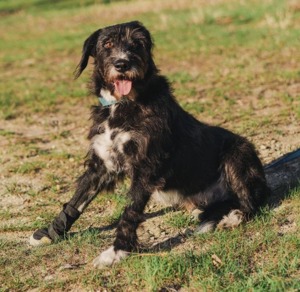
(205, 227)
(109, 257)
(195, 214)
(40, 237)
(232, 220)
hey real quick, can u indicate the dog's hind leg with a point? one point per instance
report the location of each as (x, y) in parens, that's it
(246, 185)
(94, 180)
(220, 214)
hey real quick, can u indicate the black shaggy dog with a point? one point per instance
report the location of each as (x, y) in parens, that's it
(141, 132)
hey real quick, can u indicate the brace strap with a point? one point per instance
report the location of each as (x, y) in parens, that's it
(63, 222)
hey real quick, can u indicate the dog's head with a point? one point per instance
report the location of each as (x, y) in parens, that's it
(122, 55)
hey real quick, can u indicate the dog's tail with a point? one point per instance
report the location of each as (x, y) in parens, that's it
(246, 184)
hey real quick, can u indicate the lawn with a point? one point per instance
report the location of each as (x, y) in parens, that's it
(232, 63)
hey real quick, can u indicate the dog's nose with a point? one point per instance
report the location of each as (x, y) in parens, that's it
(122, 65)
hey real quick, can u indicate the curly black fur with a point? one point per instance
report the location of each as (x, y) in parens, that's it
(149, 138)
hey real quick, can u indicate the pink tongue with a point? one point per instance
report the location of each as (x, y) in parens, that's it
(123, 86)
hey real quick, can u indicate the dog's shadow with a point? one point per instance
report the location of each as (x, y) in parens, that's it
(282, 175)
(114, 224)
(165, 245)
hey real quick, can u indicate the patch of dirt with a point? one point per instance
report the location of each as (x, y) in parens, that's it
(21, 237)
(289, 226)
(11, 201)
(287, 220)
(154, 234)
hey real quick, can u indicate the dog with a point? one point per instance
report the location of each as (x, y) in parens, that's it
(140, 131)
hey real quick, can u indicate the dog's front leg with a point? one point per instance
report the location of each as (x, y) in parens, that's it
(126, 237)
(94, 180)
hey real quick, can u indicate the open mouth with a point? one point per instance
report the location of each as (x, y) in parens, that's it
(123, 86)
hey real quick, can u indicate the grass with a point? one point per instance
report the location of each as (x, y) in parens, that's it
(232, 63)
(251, 257)
(179, 220)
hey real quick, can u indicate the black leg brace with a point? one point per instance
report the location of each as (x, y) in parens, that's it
(60, 225)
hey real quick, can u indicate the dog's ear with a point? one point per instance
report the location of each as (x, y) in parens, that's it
(89, 49)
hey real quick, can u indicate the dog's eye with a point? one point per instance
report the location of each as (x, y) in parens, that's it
(136, 45)
(108, 45)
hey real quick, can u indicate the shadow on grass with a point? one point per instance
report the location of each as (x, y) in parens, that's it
(282, 175)
(114, 224)
(166, 245)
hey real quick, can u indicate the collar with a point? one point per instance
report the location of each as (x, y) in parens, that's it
(105, 102)
(106, 98)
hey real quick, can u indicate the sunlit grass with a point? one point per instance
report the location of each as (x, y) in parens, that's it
(232, 63)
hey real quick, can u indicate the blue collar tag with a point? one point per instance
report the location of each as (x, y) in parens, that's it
(106, 102)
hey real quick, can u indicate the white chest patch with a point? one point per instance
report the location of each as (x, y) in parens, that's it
(107, 95)
(109, 146)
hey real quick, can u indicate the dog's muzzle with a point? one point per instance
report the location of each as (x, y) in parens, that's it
(122, 65)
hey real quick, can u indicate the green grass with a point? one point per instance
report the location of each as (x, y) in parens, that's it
(30, 167)
(179, 220)
(231, 63)
(252, 257)
(35, 6)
